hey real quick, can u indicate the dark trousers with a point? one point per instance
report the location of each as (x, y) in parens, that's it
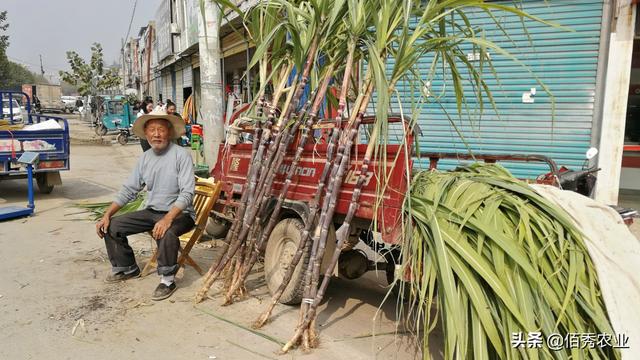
(120, 253)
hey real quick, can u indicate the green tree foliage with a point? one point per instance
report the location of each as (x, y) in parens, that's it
(92, 77)
(4, 39)
(13, 75)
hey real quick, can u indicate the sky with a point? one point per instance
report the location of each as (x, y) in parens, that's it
(51, 28)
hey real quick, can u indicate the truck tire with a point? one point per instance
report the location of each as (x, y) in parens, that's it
(281, 247)
(398, 288)
(123, 139)
(43, 185)
(101, 130)
(217, 228)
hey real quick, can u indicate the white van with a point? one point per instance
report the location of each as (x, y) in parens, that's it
(15, 107)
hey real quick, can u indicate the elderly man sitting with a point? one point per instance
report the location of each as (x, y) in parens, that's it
(167, 172)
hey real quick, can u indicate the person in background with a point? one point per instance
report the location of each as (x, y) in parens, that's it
(171, 109)
(79, 105)
(136, 106)
(145, 108)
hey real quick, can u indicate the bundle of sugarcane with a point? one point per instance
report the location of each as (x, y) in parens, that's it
(96, 210)
(320, 40)
(502, 262)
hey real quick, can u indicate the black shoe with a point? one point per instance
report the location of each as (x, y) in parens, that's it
(121, 276)
(163, 291)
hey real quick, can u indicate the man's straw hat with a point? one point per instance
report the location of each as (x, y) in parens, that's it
(176, 127)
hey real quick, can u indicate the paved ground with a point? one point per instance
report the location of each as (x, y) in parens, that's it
(53, 265)
(631, 199)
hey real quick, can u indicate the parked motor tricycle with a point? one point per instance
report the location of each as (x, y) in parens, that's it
(117, 115)
(124, 133)
(584, 182)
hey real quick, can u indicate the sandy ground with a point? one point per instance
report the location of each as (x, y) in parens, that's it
(55, 305)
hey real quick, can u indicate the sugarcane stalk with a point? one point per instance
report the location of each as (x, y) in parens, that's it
(232, 236)
(264, 193)
(272, 165)
(257, 158)
(317, 252)
(235, 225)
(256, 153)
(227, 275)
(342, 152)
(275, 215)
(271, 119)
(260, 202)
(288, 136)
(215, 270)
(275, 144)
(341, 236)
(325, 221)
(238, 263)
(335, 181)
(263, 318)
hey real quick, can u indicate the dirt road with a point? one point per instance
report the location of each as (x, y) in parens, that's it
(55, 305)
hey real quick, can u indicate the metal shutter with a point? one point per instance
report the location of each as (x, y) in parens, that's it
(565, 61)
(187, 77)
(178, 96)
(166, 86)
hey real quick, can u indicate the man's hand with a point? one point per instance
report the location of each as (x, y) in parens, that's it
(103, 226)
(161, 227)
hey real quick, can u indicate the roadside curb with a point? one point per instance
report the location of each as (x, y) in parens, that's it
(90, 141)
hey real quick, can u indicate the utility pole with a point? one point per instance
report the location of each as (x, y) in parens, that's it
(41, 67)
(615, 101)
(210, 81)
(124, 68)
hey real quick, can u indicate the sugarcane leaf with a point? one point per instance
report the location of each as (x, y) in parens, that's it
(481, 309)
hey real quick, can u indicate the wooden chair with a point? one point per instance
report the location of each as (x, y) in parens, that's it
(206, 195)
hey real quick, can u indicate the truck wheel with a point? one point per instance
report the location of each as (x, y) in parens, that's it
(43, 185)
(123, 139)
(101, 130)
(281, 248)
(217, 228)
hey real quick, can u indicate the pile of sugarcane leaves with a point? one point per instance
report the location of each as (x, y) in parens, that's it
(499, 260)
(96, 210)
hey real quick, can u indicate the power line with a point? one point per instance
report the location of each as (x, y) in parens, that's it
(133, 14)
(126, 38)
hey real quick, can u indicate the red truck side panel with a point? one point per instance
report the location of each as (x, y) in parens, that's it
(234, 162)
